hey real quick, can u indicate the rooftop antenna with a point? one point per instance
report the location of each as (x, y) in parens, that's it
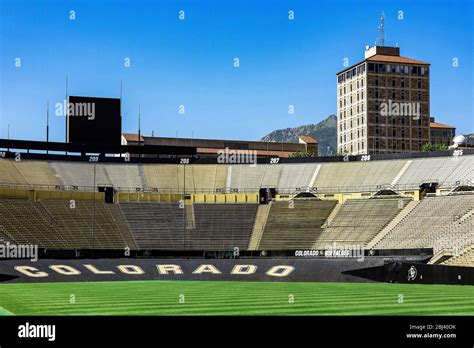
(47, 123)
(67, 111)
(381, 39)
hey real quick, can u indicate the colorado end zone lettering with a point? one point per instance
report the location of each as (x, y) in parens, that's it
(251, 269)
(162, 269)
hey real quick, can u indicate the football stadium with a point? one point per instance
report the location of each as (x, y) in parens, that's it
(190, 170)
(394, 237)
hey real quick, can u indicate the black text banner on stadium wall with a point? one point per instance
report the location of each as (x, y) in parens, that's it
(52, 270)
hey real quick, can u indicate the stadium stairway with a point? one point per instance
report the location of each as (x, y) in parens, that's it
(391, 225)
(442, 223)
(333, 214)
(358, 221)
(295, 224)
(155, 225)
(259, 226)
(10, 174)
(465, 258)
(221, 226)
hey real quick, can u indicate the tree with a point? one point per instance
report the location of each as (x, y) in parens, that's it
(301, 154)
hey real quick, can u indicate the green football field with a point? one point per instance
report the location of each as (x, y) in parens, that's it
(234, 298)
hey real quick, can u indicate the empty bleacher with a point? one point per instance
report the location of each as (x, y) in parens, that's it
(155, 225)
(357, 176)
(443, 223)
(208, 177)
(245, 177)
(465, 258)
(10, 174)
(295, 224)
(55, 224)
(358, 221)
(80, 174)
(296, 177)
(446, 171)
(36, 172)
(221, 226)
(125, 176)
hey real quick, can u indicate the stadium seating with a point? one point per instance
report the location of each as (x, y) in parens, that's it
(443, 170)
(10, 174)
(155, 225)
(358, 221)
(208, 177)
(55, 225)
(465, 258)
(199, 178)
(36, 172)
(357, 176)
(247, 178)
(125, 176)
(295, 224)
(80, 174)
(296, 177)
(438, 222)
(161, 226)
(221, 226)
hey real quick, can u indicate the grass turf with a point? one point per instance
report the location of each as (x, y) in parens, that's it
(235, 298)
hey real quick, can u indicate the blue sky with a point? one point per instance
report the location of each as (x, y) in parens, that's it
(190, 62)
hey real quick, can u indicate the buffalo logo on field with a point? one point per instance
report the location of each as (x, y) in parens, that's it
(412, 273)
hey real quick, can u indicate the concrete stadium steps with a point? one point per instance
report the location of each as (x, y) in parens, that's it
(10, 174)
(155, 225)
(297, 227)
(4, 237)
(259, 225)
(435, 222)
(161, 176)
(26, 222)
(396, 220)
(77, 224)
(208, 177)
(80, 174)
(358, 221)
(122, 226)
(465, 258)
(465, 171)
(53, 224)
(221, 226)
(358, 175)
(247, 177)
(199, 178)
(124, 176)
(443, 170)
(36, 172)
(296, 177)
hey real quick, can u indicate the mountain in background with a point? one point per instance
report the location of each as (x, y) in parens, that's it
(324, 132)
